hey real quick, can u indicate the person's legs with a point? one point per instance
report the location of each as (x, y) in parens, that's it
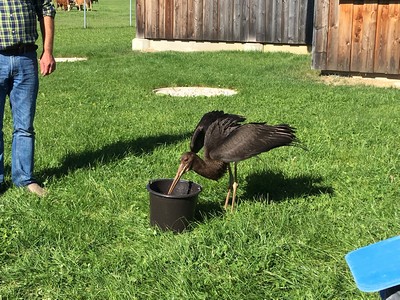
(23, 105)
(4, 88)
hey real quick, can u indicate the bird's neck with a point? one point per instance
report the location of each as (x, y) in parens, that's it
(209, 168)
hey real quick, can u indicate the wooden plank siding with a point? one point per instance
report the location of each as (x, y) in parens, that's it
(359, 36)
(261, 21)
(140, 19)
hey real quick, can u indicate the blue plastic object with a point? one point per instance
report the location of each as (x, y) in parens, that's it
(377, 266)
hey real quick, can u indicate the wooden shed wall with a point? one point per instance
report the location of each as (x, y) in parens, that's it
(357, 36)
(262, 21)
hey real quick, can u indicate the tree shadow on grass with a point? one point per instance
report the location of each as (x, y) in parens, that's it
(275, 187)
(110, 153)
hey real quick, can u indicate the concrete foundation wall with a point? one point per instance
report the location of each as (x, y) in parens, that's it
(190, 46)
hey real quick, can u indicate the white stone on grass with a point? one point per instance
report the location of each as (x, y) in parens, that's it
(194, 91)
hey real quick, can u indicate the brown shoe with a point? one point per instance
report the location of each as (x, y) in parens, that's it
(36, 189)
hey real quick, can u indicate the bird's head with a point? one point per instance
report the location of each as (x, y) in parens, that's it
(184, 166)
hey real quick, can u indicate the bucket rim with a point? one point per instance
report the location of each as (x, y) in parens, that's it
(200, 188)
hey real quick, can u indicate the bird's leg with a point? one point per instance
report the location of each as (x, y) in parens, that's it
(234, 186)
(229, 187)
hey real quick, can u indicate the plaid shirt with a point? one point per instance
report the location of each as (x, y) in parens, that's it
(18, 20)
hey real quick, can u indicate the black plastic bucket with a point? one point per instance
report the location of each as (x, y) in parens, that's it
(172, 212)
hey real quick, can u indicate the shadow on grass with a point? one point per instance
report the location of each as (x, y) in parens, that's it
(274, 187)
(208, 210)
(266, 187)
(111, 153)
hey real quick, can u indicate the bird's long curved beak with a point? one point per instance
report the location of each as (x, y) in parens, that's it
(182, 169)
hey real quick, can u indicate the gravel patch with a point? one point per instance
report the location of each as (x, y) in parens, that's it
(358, 80)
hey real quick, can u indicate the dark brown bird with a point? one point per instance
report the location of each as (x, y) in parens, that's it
(227, 141)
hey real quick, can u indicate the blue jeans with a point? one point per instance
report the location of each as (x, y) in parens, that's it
(19, 80)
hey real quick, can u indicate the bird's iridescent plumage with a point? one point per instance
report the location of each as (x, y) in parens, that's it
(226, 140)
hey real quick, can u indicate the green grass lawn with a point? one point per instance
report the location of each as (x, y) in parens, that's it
(102, 134)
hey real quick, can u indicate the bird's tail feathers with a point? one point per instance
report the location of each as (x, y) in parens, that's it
(290, 132)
